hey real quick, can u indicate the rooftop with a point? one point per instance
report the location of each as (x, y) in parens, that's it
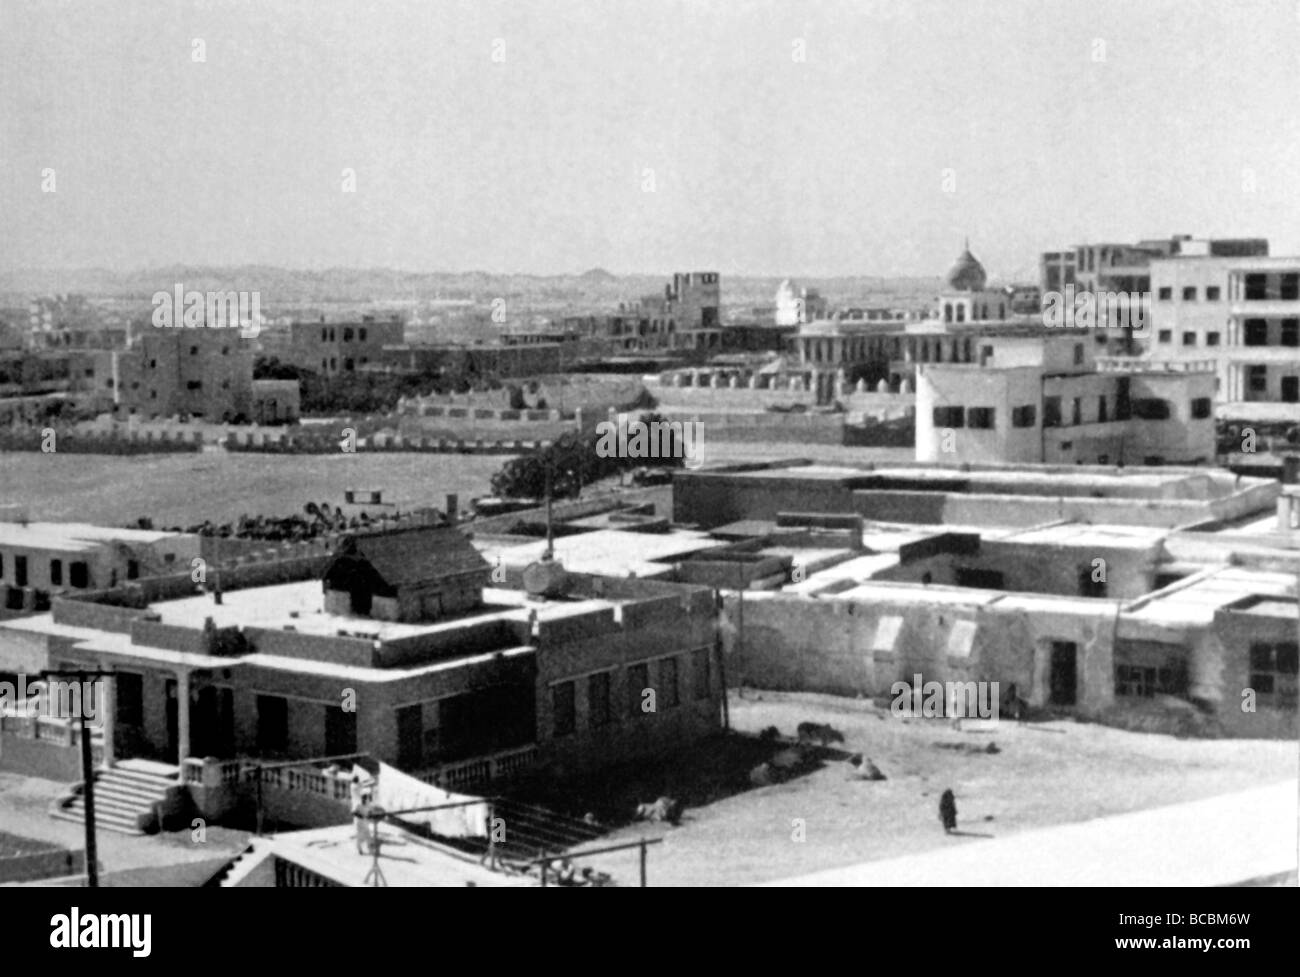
(74, 536)
(405, 859)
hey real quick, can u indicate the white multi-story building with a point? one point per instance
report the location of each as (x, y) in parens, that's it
(1242, 313)
(1046, 399)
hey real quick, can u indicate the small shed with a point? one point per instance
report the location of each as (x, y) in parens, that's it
(413, 574)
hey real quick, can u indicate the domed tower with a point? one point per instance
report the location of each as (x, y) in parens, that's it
(966, 274)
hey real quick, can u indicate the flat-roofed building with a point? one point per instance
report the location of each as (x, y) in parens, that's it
(1044, 398)
(1242, 313)
(333, 348)
(459, 690)
(40, 560)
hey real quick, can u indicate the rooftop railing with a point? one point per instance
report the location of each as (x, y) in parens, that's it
(1126, 364)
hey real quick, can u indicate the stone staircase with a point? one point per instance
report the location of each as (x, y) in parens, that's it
(125, 796)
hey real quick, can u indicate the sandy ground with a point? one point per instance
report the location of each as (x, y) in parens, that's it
(185, 489)
(24, 810)
(1045, 774)
(1244, 838)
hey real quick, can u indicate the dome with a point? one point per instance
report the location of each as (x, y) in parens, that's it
(966, 274)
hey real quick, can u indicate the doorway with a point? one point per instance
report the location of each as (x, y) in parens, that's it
(1064, 675)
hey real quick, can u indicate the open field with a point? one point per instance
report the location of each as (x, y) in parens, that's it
(1045, 774)
(184, 489)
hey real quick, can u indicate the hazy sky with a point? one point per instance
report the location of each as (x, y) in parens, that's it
(762, 164)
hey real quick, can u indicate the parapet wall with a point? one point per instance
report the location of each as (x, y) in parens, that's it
(360, 652)
(481, 637)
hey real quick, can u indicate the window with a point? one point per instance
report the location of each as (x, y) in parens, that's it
(1212, 293)
(1103, 459)
(272, 723)
(1089, 585)
(1166, 293)
(1076, 411)
(194, 385)
(410, 737)
(1273, 670)
(979, 578)
(225, 350)
(153, 364)
(1189, 293)
(564, 712)
(1024, 416)
(1189, 339)
(194, 351)
(361, 334)
(324, 335)
(1290, 290)
(1202, 407)
(1147, 680)
(1102, 412)
(128, 691)
(56, 573)
(132, 569)
(1051, 412)
(1256, 332)
(638, 680)
(982, 418)
(598, 699)
(1258, 379)
(1211, 339)
(340, 731)
(347, 335)
(1291, 332)
(1078, 354)
(668, 682)
(1151, 409)
(79, 574)
(950, 417)
(1165, 336)
(700, 665)
(1255, 287)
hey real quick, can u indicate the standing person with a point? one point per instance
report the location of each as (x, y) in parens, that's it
(358, 804)
(948, 812)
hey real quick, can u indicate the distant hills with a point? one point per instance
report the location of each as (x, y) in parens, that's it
(285, 287)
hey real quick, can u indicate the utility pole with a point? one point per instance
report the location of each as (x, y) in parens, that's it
(82, 676)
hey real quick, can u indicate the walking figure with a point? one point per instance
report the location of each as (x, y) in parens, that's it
(948, 811)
